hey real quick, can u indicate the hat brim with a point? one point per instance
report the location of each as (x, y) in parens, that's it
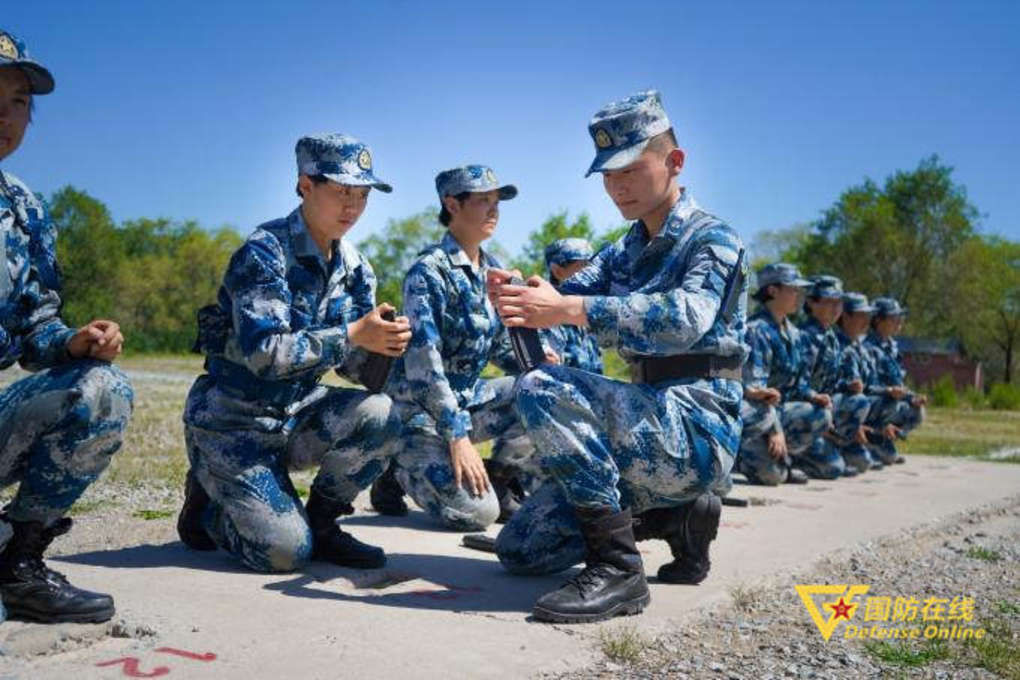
(40, 80)
(614, 159)
(869, 310)
(507, 192)
(366, 180)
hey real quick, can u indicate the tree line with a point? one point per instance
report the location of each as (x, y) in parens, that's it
(915, 236)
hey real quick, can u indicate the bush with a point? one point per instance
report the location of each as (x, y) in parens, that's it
(974, 398)
(943, 392)
(1004, 397)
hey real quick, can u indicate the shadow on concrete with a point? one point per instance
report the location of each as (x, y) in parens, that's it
(431, 582)
(152, 556)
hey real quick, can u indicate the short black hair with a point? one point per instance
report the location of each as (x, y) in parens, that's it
(664, 142)
(762, 294)
(444, 214)
(316, 179)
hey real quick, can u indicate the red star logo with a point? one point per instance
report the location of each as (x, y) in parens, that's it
(841, 609)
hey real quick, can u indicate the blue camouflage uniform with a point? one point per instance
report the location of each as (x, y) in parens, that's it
(855, 364)
(577, 347)
(280, 323)
(889, 372)
(776, 361)
(60, 426)
(437, 384)
(608, 444)
(820, 349)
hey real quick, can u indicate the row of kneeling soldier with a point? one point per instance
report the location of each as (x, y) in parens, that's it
(583, 466)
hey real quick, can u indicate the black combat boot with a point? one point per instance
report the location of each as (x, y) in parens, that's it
(796, 476)
(386, 495)
(33, 591)
(688, 529)
(330, 543)
(613, 582)
(507, 488)
(189, 521)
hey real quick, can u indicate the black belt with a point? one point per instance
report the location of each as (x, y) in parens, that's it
(684, 366)
(279, 393)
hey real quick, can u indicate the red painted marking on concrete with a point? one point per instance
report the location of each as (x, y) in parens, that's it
(131, 668)
(803, 506)
(733, 525)
(208, 656)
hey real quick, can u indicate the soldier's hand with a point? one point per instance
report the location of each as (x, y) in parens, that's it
(537, 304)
(919, 400)
(376, 334)
(551, 356)
(494, 281)
(856, 386)
(468, 468)
(861, 435)
(897, 392)
(98, 339)
(777, 445)
(891, 432)
(770, 395)
(823, 400)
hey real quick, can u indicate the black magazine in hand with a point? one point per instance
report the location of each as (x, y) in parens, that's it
(377, 367)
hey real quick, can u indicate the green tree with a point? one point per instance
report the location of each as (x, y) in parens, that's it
(90, 252)
(532, 259)
(394, 250)
(895, 240)
(777, 245)
(983, 290)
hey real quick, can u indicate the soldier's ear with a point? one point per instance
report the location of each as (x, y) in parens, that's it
(451, 204)
(304, 185)
(675, 162)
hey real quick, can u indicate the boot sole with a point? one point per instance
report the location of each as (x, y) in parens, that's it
(628, 608)
(99, 616)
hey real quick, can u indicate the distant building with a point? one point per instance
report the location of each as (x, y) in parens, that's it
(927, 360)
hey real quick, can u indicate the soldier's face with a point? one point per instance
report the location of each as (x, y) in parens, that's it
(477, 215)
(641, 187)
(332, 207)
(826, 310)
(856, 322)
(890, 325)
(15, 109)
(786, 299)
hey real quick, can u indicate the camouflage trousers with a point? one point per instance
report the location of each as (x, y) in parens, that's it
(60, 428)
(609, 444)
(829, 456)
(241, 453)
(424, 469)
(801, 422)
(898, 412)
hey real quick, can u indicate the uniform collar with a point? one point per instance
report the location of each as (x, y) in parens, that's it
(456, 255)
(305, 248)
(679, 215)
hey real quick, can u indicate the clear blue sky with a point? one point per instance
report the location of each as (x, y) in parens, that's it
(190, 110)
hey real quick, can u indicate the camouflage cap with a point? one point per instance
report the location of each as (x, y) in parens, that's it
(826, 286)
(781, 274)
(887, 306)
(856, 302)
(472, 178)
(13, 54)
(621, 130)
(566, 250)
(338, 157)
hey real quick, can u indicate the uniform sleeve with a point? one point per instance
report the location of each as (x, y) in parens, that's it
(671, 322)
(39, 331)
(804, 347)
(757, 368)
(849, 369)
(257, 284)
(424, 305)
(362, 291)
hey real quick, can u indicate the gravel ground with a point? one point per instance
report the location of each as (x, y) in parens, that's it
(765, 632)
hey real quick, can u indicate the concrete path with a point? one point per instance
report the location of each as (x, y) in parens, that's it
(439, 610)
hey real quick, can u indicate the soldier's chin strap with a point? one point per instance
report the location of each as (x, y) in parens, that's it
(732, 298)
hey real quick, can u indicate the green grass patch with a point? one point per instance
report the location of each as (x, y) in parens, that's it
(86, 507)
(152, 514)
(623, 645)
(979, 553)
(903, 654)
(963, 432)
(1007, 607)
(997, 651)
